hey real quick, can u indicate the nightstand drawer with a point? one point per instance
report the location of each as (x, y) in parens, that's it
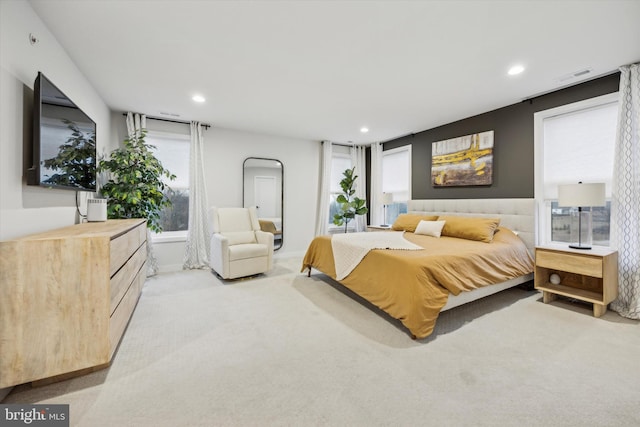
(585, 265)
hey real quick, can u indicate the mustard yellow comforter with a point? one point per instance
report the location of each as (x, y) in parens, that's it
(413, 286)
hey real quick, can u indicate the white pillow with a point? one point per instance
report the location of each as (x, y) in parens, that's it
(430, 228)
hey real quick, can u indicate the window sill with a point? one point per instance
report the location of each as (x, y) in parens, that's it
(169, 237)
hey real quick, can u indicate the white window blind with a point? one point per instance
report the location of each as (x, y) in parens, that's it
(396, 180)
(173, 152)
(578, 146)
(172, 149)
(339, 163)
(396, 173)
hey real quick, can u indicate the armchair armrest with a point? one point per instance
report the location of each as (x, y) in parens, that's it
(266, 238)
(220, 254)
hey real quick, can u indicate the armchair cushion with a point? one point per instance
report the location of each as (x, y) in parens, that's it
(251, 250)
(240, 237)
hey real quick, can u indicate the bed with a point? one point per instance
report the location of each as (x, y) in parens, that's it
(415, 285)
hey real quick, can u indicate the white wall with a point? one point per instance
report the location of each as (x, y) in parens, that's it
(26, 209)
(225, 151)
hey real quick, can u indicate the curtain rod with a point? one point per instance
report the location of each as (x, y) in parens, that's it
(344, 144)
(184, 122)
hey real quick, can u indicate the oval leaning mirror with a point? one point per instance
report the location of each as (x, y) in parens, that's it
(262, 188)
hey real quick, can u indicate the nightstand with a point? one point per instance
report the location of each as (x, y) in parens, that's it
(379, 228)
(586, 275)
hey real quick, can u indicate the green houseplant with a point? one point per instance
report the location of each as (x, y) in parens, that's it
(348, 207)
(135, 188)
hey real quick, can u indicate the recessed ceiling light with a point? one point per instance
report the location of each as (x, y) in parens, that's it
(198, 98)
(364, 129)
(516, 69)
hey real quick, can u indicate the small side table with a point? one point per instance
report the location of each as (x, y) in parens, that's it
(586, 275)
(379, 228)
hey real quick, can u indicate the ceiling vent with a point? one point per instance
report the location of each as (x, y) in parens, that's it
(575, 75)
(164, 113)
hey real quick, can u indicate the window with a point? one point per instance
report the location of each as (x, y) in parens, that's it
(396, 179)
(172, 150)
(340, 161)
(574, 143)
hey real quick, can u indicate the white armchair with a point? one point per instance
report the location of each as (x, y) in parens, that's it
(238, 247)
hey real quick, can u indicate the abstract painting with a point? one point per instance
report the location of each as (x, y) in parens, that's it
(466, 160)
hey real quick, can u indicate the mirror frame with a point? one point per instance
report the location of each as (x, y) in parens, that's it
(244, 166)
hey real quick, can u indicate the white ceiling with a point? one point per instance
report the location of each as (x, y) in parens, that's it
(323, 69)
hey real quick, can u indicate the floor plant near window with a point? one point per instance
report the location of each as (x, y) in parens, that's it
(349, 207)
(135, 188)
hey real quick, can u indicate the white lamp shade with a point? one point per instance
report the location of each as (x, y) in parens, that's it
(581, 195)
(387, 198)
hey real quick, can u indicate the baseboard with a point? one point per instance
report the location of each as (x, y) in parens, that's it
(173, 268)
(170, 268)
(292, 254)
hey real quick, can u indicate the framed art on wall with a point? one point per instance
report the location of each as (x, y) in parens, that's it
(463, 161)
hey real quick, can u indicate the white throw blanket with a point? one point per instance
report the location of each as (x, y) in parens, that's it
(349, 249)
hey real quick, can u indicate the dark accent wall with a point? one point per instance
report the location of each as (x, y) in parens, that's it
(513, 162)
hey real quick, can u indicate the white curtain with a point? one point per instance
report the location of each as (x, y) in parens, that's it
(135, 124)
(358, 160)
(625, 205)
(375, 204)
(197, 248)
(322, 220)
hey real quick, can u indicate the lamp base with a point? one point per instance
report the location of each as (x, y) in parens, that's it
(581, 237)
(580, 247)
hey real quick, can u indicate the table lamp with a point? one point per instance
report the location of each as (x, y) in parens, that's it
(581, 195)
(387, 199)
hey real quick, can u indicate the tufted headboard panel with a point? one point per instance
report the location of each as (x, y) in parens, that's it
(518, 215)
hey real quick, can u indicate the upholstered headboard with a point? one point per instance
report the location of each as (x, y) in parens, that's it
(518, 215)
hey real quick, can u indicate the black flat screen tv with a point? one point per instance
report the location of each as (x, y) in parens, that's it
(64, 141)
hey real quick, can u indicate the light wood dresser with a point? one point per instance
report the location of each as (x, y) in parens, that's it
(66, 297)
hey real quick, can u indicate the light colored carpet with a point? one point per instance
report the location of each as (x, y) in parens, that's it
(288, 350)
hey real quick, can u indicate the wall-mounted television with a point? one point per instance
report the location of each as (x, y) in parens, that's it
(64, 141)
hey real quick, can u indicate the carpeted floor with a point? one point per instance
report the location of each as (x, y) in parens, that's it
(283, 349)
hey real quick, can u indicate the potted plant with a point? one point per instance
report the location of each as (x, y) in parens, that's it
(135, 188)
(348, 207)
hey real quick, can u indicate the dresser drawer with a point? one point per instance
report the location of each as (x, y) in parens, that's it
(121, 281)
(588, 266)
(123, 246)
(120, 317)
